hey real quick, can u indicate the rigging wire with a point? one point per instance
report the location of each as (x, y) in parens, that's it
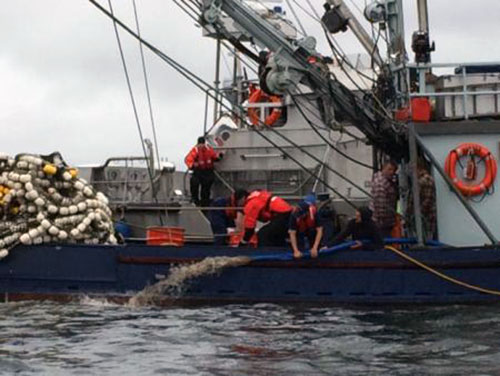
(328, 142)
(314, 127)
(134, 106)
(146, 83)
(297, 19)
(199, 82)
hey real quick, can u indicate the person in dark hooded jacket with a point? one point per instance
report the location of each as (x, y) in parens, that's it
(362, 227)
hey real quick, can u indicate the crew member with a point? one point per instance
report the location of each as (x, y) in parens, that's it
(362, 227)
(384, 198)
(222, 219)
(201, 160)
(305, 223)
(263, 206)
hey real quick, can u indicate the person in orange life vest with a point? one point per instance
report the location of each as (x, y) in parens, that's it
(221, 220)
(264, 207)
(201, 160)
(305, 223)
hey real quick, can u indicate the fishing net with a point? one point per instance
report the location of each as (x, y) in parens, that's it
(43, 200)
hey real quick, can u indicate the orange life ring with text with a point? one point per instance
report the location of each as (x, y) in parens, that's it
(258, 96)
(484, 154)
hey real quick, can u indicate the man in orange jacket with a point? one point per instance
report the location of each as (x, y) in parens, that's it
(263, 206)
(201, 160)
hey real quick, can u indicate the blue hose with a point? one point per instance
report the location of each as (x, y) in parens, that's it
(289, 255)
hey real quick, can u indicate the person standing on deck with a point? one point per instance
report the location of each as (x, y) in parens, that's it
(427, 190)
(221, 220)
(384, 198)
(201, 159)
(305, 223)
(263, 206)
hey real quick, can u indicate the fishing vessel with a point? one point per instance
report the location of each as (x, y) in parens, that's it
(276, 128)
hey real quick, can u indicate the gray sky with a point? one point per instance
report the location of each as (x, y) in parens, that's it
(63, 88)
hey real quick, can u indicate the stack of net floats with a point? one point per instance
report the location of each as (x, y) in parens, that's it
(42, 200)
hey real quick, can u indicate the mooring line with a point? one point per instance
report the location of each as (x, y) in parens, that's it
(442, 275)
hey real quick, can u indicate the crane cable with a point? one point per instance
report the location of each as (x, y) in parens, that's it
(328, 143)
(146, 83)
(197, 81)
(442, 275)
(313, 126)
(134, 106)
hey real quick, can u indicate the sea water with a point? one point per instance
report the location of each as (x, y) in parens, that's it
(93, 337)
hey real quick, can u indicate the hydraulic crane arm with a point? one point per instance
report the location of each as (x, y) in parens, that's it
(290, 64)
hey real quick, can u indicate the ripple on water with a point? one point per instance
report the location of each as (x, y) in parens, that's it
(95, 337)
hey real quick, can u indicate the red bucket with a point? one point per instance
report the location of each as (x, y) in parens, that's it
(165, 236)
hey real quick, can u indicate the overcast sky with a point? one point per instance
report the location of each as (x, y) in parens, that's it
(62, 85)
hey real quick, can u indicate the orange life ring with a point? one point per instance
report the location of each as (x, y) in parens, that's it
(489, 162)
(258, 96)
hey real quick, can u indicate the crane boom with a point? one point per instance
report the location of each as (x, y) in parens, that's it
(290, 64)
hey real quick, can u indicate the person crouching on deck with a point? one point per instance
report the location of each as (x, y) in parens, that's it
(201, 160)
(263, 206)
(362, 227)
(305, 223)
(221, 220)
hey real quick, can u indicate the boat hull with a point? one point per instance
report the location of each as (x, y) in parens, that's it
(349, 276)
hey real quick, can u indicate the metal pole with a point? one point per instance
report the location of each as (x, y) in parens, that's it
(217, 81)
(423, 16)
(460, 197)
(415, 188)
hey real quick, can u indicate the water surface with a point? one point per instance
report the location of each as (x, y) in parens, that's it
(96, 338)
